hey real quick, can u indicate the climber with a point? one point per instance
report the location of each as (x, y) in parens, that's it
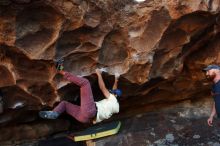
(89, 111)
(213, 74)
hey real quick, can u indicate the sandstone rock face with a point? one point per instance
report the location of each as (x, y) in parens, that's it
(33, 131)
(158, 47)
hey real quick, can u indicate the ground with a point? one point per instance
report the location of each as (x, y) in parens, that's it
(179, 125)
(164, 129)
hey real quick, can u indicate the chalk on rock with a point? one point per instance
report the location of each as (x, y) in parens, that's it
(17, 105)
(103, 69)
(170, 138)
(196, 136)
(139, 1)
(117, 75)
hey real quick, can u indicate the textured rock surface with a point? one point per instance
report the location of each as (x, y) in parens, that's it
(158, 47)
(183, 125)
(33, 131)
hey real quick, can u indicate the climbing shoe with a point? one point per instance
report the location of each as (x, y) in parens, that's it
(59, 64)
(48, 114)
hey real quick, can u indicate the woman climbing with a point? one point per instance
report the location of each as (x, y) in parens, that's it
(88, 111)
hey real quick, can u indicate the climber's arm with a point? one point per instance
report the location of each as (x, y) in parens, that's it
(102, 84)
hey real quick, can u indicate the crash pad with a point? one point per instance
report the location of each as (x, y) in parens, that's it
(97, 131)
